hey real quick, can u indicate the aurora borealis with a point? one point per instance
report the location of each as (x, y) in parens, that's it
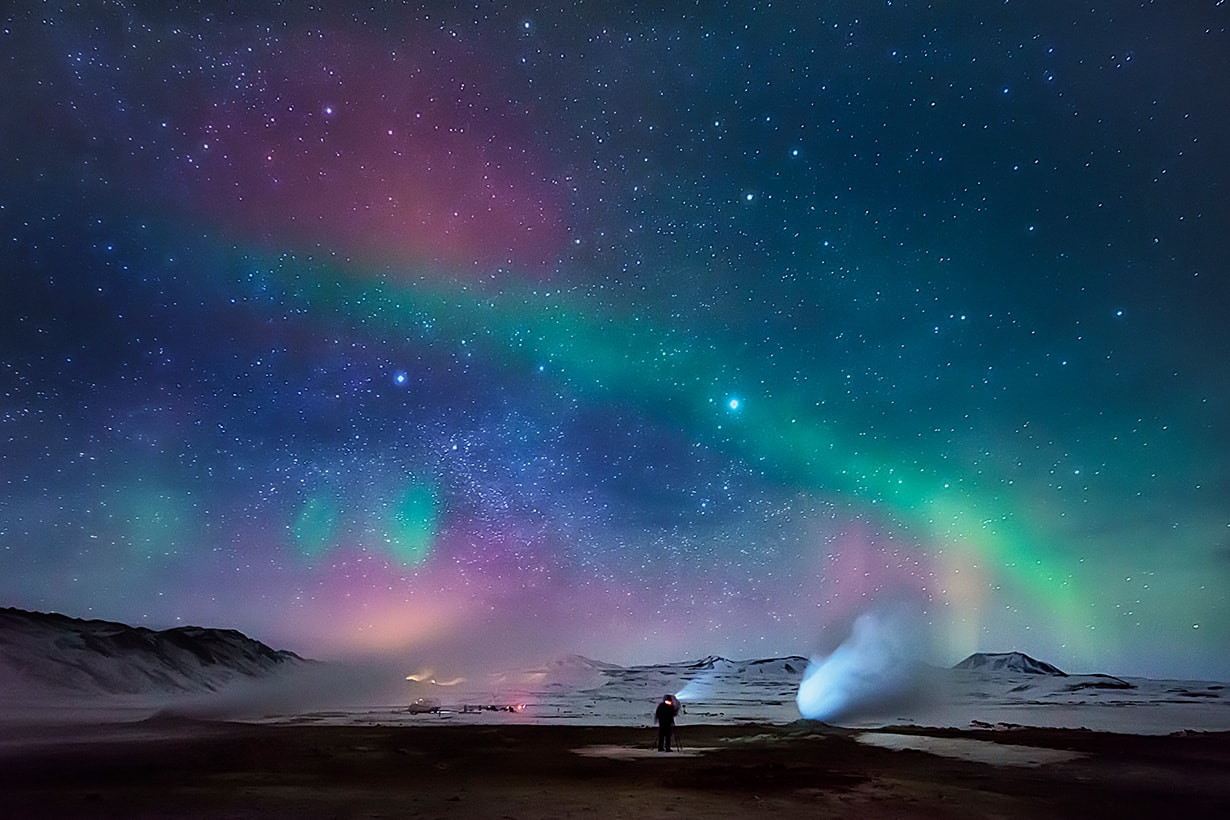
(511, 330)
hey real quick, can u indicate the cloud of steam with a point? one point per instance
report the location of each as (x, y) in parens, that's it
(312, 687)
(877, 666)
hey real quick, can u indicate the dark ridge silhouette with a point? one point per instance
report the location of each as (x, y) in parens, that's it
(1009, 662)
(49, 653)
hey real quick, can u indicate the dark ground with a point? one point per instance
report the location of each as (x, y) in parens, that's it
(188, 769)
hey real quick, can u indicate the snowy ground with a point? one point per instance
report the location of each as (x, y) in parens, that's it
(577, 691)
(718, 691)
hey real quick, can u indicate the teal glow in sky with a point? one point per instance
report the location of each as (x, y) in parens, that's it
(644, 335)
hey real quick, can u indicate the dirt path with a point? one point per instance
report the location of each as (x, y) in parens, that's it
(203, 770)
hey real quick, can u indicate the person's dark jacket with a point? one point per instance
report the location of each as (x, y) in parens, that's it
(665, 714)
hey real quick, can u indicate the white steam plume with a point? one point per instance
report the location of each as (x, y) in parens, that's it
(875, 667)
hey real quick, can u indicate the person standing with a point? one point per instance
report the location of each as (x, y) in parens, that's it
(664, 716)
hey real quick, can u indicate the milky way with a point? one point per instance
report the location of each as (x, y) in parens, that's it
(517, 330)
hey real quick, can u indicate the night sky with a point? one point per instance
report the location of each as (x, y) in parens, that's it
(504, 330)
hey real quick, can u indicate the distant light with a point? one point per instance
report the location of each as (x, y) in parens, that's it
(399, 378)
(733, 404)
(749, 197)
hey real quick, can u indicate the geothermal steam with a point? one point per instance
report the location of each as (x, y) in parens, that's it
(876, 666)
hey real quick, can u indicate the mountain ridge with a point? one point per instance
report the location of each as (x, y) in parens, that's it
(48, 654)
(1009, 662)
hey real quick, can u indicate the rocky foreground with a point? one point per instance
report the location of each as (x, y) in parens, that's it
(175, 768)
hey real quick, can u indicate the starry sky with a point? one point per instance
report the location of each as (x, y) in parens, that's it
(640, 330)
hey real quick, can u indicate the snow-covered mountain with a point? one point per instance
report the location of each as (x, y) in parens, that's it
(1009, 662)
(998, 690)
(62, 669)
(1014, 677)
(48, 655)
(581, 690)
(568, 671)
(794, 664)
(580, 672)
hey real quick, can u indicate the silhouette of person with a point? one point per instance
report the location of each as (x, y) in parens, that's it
(664, 716)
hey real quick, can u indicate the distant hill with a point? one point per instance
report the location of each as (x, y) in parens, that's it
(716, 663)
(567, 663)
(45, 655)
(1009, 662)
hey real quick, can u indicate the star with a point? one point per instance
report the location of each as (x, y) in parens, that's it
(383, 328)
